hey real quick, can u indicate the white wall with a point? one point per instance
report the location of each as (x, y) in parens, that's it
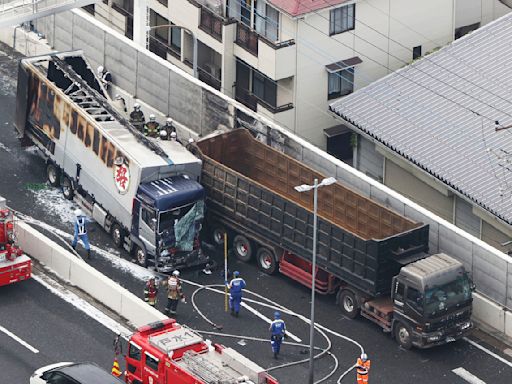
(375, 20)
(469, 12)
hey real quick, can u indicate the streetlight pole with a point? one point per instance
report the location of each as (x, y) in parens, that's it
(305, 188)
(194, 53)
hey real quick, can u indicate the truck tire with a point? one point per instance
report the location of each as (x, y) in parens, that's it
(266, 260)
(117, 234)
(218, 236)
(348, 304)
(403, 335)
(141, 257)
(67, 188)
(242, 248)
(53, 174)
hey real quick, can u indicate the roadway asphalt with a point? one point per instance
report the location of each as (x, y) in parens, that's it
(55, 328)
(23, 184)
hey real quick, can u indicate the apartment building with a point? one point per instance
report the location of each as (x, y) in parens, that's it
(289, 59)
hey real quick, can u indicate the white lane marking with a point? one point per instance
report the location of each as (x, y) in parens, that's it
(490, 353)
(265, 318)
(245, 305)
(468, 376)
(22, 342)
(82, 305)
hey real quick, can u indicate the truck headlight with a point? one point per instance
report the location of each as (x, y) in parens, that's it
(434, 337)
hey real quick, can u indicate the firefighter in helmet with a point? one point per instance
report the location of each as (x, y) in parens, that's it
(363, 369)
(151, 128)
(151, 292)
(137, 118)
(174, 293)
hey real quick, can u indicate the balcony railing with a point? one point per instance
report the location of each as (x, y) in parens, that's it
(247, 38)
(161, 48)
(251, 101)
(211, 23)
(209, 79)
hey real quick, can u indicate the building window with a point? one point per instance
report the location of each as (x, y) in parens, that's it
(340, 83)
(342, 19)
(264, 88)
(416, 52)
(266, 20)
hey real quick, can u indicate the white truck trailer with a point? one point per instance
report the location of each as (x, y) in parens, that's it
(144, 191)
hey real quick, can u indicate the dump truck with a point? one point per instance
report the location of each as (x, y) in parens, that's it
(375, 260)
(166, 352)
(144, 191)
(15, 266)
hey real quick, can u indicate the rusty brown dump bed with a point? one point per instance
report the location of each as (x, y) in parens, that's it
(252, 184)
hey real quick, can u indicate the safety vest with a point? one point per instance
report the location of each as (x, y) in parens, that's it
(80, 222)
(363, 368)
(174, 288)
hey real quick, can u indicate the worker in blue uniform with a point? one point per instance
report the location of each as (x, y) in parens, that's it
(81, 232)
(236, 286)
(278, 332)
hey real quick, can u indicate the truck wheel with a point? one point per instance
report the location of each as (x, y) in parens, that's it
(53, 175)
(403, 336)
(117, 234)
(266, 260)
(141, 257)
(67, 188)
(218, 236)
(242, 248)
(348, 304)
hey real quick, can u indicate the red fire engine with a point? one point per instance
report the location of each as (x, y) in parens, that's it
(14, 265)
(169, 353)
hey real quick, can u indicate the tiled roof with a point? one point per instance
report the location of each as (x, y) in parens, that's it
(302, 7)
(439, 114)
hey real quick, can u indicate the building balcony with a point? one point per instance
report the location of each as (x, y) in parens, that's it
(247, 38)
(253, 102)
(211, 23)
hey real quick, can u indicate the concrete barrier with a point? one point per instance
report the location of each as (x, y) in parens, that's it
(80, 274)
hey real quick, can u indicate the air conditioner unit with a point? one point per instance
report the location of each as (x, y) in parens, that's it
(213, 70)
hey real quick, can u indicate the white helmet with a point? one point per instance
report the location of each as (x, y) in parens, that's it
(163, 133)
(176, 273)
(136, 106)
(152, 117)
(173, 135)
(169, 120)
(117, 96)
(100, 69)
(78, 212)
(364, 357)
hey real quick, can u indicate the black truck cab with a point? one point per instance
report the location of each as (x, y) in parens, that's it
(431, 302)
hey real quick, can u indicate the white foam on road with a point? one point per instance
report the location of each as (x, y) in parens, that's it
(5, 147)
(54, 203)
(19, 340)
(468, 376)
(82, 305)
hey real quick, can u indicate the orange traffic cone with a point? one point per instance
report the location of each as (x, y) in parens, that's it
(116, 371)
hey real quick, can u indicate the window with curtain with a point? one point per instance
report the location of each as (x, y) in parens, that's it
(340, 83)
(342, 19)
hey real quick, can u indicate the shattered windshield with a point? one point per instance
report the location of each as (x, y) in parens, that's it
(441, 298)
(169, 218)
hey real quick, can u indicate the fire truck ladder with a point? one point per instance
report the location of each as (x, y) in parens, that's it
(205, 370)
(97, 106)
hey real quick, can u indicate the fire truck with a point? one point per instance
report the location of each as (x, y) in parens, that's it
(14, 265)
(167, 352)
